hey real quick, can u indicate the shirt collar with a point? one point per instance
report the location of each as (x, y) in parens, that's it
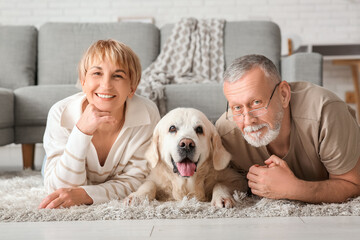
(136, 113)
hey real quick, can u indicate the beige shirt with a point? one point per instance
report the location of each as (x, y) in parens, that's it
(72, 159)
(324, 137)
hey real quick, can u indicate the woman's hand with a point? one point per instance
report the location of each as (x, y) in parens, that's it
(91, 119)
(66, 197)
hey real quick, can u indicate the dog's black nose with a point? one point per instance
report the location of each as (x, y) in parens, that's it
(187, 144)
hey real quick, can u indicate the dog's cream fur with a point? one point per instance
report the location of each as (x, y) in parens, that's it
(213, 180)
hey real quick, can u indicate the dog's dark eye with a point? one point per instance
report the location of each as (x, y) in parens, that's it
(199, 130)
(172, 129)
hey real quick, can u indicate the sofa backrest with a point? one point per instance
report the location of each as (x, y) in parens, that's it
(61, 46)
(245, 37)
(18, 52)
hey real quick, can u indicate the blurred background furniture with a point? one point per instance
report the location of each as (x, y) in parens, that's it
(354, 64)
(341, 54)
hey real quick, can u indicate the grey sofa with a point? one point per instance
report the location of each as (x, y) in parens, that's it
(39, 68)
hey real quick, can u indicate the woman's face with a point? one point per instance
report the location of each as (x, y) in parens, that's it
(107, 86)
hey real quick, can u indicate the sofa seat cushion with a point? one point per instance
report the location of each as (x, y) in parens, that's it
(33, 103)
(208, 98)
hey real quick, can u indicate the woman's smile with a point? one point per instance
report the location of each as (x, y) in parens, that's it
(105, 96)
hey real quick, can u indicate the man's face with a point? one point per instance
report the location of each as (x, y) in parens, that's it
(252, 92)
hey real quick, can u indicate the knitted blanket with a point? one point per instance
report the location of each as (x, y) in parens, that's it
(192, 54)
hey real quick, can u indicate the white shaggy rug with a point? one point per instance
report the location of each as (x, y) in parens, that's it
(21, 193)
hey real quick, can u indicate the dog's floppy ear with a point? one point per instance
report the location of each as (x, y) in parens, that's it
(152, 154)
(221, 157)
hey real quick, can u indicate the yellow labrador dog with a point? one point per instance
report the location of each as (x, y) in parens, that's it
(188, 159)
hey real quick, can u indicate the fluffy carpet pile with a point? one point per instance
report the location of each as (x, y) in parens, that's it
(21, 193)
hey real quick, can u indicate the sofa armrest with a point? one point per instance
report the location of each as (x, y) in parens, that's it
(302, 67)
(6, 116)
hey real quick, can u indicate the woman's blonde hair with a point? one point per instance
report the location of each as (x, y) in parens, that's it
(117, 53)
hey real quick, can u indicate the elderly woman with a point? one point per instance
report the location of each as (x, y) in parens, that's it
(95, 140)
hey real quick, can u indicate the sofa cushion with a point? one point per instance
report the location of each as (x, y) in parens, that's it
(61, 46)
(208, 98)
(252, 37)
(33, 103)
(302, 67)
(245, 37)
(18, 52)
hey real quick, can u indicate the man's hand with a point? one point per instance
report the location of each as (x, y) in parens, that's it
(274, 180)
(66, 197)
(91, 118)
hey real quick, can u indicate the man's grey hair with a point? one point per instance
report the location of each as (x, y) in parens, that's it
(242, 65)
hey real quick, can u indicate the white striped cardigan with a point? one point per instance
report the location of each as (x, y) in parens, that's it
(72, 160)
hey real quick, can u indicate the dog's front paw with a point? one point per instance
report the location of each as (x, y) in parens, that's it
(223, 202)
(134, 199)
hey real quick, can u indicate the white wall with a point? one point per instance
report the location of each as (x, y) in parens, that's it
(315, 21)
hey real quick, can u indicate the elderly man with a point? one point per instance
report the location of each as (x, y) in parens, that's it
(295, 140)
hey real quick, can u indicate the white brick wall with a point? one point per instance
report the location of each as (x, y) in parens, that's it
(315, 21)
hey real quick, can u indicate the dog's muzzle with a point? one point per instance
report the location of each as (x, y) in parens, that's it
(186, 150)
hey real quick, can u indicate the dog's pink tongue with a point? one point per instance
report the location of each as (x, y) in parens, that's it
(186, 169)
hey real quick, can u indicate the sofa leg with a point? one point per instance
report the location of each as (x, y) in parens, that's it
(28, 155)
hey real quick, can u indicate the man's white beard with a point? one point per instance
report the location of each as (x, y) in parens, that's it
(255, 138)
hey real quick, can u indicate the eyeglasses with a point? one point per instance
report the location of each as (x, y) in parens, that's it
(253, 113)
